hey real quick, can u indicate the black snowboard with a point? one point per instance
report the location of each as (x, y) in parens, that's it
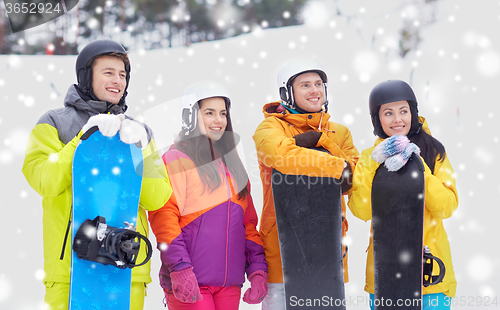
(398, 220)
(309, 218)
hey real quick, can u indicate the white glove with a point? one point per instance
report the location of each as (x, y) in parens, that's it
(133, 132)
(108, 124)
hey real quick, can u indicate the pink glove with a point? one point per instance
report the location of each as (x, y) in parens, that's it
(258, 287)
(185, 286)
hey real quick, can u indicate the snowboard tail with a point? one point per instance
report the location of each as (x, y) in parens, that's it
(309, 219)
(107, 184)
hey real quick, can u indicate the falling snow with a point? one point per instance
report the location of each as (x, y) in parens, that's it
(455, 74)
(405, 257)
(116, 170)
(5, 288)
(480, 268)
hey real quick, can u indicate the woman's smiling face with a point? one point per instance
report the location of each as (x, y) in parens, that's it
(395, 118)
(212, 117)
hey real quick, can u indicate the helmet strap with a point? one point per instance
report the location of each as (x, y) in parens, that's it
(291, 99)
(283, 94)
(325, 104)
(377, 126)
(189, 119)
(415, 124)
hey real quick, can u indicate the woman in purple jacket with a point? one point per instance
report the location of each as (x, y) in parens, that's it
(206, 232)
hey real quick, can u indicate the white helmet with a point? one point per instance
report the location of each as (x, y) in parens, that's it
(192, 95)
(293, 69)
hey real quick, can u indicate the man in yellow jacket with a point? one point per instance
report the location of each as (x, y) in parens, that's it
(103, 73)
(283, 140)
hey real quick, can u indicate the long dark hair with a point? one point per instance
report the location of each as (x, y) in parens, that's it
(204, 152)
(431, 149)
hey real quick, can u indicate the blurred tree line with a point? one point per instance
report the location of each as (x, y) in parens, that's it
(148, 24)
(151, 24)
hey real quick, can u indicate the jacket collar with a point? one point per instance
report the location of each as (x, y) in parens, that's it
(312, 120)
(74, 99)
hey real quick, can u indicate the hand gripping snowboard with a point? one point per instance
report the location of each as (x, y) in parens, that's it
(398, 221)
(107, 179)
(309, 218)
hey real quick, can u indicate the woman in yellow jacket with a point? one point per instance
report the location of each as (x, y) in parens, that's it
(394, 113)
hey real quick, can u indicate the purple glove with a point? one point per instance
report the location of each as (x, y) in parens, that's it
(389, 147)
(394, 152)
(185, 286)
(258, 287)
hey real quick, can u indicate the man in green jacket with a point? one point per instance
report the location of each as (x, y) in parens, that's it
(103, 73)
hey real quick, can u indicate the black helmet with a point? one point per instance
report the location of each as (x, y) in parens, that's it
(391, 91)
(84, 64)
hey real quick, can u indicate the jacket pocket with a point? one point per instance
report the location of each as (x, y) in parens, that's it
(49, 284)
(194, 240)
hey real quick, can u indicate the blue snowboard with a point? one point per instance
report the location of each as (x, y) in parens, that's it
(107, 179)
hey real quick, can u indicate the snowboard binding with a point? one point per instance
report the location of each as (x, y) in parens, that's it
(428, 262)
(96, 241)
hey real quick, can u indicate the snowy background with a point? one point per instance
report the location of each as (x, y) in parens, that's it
(455, 74)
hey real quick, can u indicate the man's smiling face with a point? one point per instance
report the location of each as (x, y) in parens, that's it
(309, 92)
(108, 78)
